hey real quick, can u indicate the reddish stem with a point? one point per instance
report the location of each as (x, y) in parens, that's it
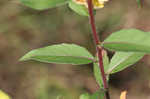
(98, 49)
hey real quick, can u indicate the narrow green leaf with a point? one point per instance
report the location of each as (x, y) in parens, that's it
(105, 60)
(139, 3)
(97, 75)
(98, 95)
(130, 40)
(61, 53)
(122, 60)
(85, 96)
(3, 95)
(43, 4)
(80, 9)
(97, 72)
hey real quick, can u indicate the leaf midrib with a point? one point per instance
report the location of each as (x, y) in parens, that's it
(113, 67)
(92, 59)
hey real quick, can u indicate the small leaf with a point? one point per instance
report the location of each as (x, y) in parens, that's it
(97, 72)
(122, 60)
(3, 95)
(80, 9)
(61, 53)
(85, 96)
(129, 40)
(43, 4)
(105, 60)
(98, 95)
(139, 3)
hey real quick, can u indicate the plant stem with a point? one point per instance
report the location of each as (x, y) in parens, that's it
(98, 49)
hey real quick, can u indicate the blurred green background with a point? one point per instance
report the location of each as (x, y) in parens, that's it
(23, 29)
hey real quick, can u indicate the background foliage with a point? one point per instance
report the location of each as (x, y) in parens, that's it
(23, 29)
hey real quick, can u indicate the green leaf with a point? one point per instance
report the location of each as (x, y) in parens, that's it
(97, 72)
(61, 53)
(130, 40)
(98, 95)
(122, 60)
(3, 95)
(105, 60)
(85, 96)
(80, 9)
(139, 3)
(43, 4)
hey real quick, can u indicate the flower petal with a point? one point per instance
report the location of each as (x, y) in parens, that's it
(123, 95)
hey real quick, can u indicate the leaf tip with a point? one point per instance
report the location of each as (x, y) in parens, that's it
(23, 58)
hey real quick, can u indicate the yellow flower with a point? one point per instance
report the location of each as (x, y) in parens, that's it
(3, 95)
(123, 95)
(96, 3)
